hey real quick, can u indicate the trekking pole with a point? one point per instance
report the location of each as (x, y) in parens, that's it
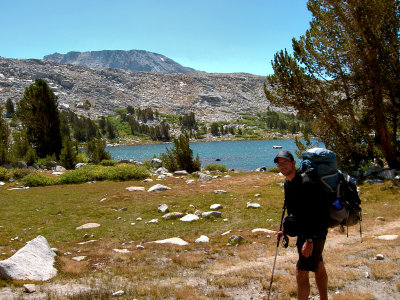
(276, 251)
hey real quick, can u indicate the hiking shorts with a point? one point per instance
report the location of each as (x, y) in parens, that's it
(310, 263)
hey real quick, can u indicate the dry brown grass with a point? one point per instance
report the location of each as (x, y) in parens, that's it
(384, 269)
(189, 259)
(353, 296)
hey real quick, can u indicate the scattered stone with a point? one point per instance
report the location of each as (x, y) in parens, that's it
(203, 239)
(216, 206)
(32, 262)
(191, 206)
(156, 163)
(373, 181)
(173, 216)
(220, 192)
(2, 183)
(215, 214)
(227, 176)
(104, 199)
(79, 258)
(77, 166)
(389, 237)
(55, 250)
(189, 218)
(88, 226)
(204, 177)
(60, 169)
(87, 242)
(67, 253)
(387, 174)
(189, 181)
(236, 240)
(373, 170)
(264, 230)
(226, 220)
(380, 219)
(257, 195)
(253, 205)
(118, 293)
(139, 219)
(139, 247)
(367, 275)
(198, 213)
(163, 208)
(158, 187)
(152, 221)
(226, 232)
(124, 251)
(181, 173)
(135, 188)
(379, 257)
(161, 170)
(175, 241)
(19, 188)
(29, 288)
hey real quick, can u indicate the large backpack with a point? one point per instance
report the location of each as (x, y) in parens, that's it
(320, 165)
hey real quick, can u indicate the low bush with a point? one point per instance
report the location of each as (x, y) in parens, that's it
(273, 170)
(20, 173)
(215, 167)
(108, 162)
(124, 172)
(4, 174)
(37, 179)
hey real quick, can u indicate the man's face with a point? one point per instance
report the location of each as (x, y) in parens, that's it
(286, 166)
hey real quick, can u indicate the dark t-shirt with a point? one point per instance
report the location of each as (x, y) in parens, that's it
(306, 202)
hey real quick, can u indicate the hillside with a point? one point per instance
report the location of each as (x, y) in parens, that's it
(133, 60)
(213, 97)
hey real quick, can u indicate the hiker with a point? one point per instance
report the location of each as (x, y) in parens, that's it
(308, 214)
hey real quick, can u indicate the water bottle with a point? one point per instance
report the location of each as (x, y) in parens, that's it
(337, 204)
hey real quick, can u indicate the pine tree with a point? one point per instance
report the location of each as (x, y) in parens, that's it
(4, 139)
(344, 75)
(40, 116)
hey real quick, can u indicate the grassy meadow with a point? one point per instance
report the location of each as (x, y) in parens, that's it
(213, 270)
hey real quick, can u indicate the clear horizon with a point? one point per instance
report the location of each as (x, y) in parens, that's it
(215, 36)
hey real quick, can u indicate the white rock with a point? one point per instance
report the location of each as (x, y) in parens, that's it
(2, 183)
(158, 187)
(152, 221)
(175, 241)
(380, 219)
(77, 166)
(253, 205)
(189, 181)
(216, 206)
(118, 293)
(257, 195)
(204, 177)
(215, 214)
(189, 218)
(29, 288)
(226, 232)
(32, 262)
(226, 220)
(379, 257)
(125, 251)
(79, 258)
(163, 208)
(161, 170)
(148, 180)
(102, 200)
(87, 242)
(389, 237)
(203, 239)
(139, 247)
(135, 188)
(227, 176)
(264, 230)
(220, 192)
(88, 226)
(181, 173)
(139, 219)
(57, 173)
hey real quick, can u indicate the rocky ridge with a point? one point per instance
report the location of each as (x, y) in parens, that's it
(213, 97)
(133, 60)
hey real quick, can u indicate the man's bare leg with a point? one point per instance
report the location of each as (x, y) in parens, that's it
(303, 284)
(321, 278)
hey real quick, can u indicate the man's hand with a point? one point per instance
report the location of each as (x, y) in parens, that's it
(307, 249)
(279, 235)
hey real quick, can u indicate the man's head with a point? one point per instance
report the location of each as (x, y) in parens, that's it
(286, 164)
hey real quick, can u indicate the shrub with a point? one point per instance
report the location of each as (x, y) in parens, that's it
(127, 172)
(180, 157)
(20, 173)
(82, 158)
(4, 174)
(37, 179)
(216, 167)
(108, 162)
(273, 170)
(68, 154)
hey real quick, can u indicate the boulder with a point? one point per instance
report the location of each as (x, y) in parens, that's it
(387, 174)
(21, 164)
(216, 206)
(158, 187)
(173, 216)
(203, 239)
(373, 170)
(219, 192)
(156, 163)
(215, 214)
(163, 208)
(32, 262)
(263, 230)
(88, 226)
(189, 218)
(60, 169)
(204, 177)
(77, 166)
(181, 173)
(253, 205)
(175, 241)
(135, 188)
(161, 170)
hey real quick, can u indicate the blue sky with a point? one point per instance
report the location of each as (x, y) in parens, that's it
(220, 36)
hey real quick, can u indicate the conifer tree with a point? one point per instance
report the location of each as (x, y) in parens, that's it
(40, 116)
